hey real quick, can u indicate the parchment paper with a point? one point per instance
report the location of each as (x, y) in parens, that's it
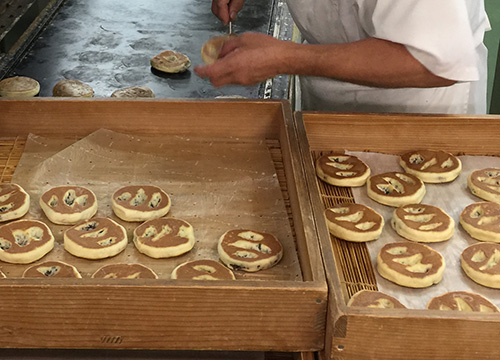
(214, 184)
(452, 198)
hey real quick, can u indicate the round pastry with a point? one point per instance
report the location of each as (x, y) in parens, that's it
(72, 88)
(374, 299)
(249, 250)
(140, 203)
(97, 238)
(52, 269)
(125, 271)
(354, 222)
(211, 49)
(481, 263)
(171, 62)
(67, 205)
(410, 264)
(485, 183)
(431, 166)
(19, 87)
(202, 270)
(461, 301)
(14, 202)
(422, 223)
(134, 92)
(395, 189)
(482, 221)
(342, 170)
(163, 238)
(25, 241)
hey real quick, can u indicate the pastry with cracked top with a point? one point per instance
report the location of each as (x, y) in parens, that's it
(431, 166)
(25, 241)
(124, 271)
(68, 204)
(164, 237)
(342, 170)
(422, 223)
(410, 264)
(374, 299)
(52, 269)
(249, 250)
(14, 202)
(140, 202)
(395, 189)
(354, 222)
(96, 238)
(461, 301)
(203, 269)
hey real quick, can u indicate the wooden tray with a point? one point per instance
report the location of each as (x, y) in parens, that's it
(257, 315)
(358, 333)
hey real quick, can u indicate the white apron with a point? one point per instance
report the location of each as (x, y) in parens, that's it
(457, 52)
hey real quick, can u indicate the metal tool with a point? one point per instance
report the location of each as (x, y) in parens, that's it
(230, 28)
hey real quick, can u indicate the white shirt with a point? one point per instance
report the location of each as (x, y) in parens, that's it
(446, 36)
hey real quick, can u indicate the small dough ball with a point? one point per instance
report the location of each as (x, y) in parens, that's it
(72, 88)
(211, 49)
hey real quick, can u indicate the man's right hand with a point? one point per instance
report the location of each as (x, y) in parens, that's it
(227, 10)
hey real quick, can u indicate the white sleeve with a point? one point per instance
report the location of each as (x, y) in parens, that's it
(438, 33)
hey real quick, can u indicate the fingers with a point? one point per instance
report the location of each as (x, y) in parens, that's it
(220, 8)
(234, 8)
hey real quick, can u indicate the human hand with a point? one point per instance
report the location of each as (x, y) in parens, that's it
(227, 10)
(247, 59)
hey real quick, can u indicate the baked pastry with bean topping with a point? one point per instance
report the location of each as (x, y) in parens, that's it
(140, 202)
(485, 183)
(395, 189)
(163, 238)
(97, 238)
(342, 170)
(249, 250)
(374, 299)
(52, 269)
(410, 264)
(481, 263)
(202, 270)
(25, 241)
(14, 202)
(124, 271)
(68, 205)
(461, 301)
(354, 222)
(423, 223)
(431, 166)
(482, 221)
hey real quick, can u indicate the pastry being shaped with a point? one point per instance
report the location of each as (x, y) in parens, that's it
(485, 183)
(170, 62)
(72, 88)
(342, 170)
(14, 202)
(374, 299)
(461, 301)
(52, 269)
(249, 250)
(25, 241)
(354, 222)
(422, 223)
(202, 270)
(211, 49)
(134, 92)
(125, 271)
(19, 87)
(482, 221)
(68, 205)
(164, 238)
(431, 166)
(410, 264)
(96, 238)
(395, 189)
(140, 202)
(481, 263)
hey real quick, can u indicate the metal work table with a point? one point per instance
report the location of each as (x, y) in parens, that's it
(108, 44)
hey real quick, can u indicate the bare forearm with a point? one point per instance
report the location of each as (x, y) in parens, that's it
(371, 62)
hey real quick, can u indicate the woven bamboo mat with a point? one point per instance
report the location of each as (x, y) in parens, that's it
(353, 259)
(11, 150)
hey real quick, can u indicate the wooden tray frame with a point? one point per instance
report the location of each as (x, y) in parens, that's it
(358, 333)
(170, 314)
